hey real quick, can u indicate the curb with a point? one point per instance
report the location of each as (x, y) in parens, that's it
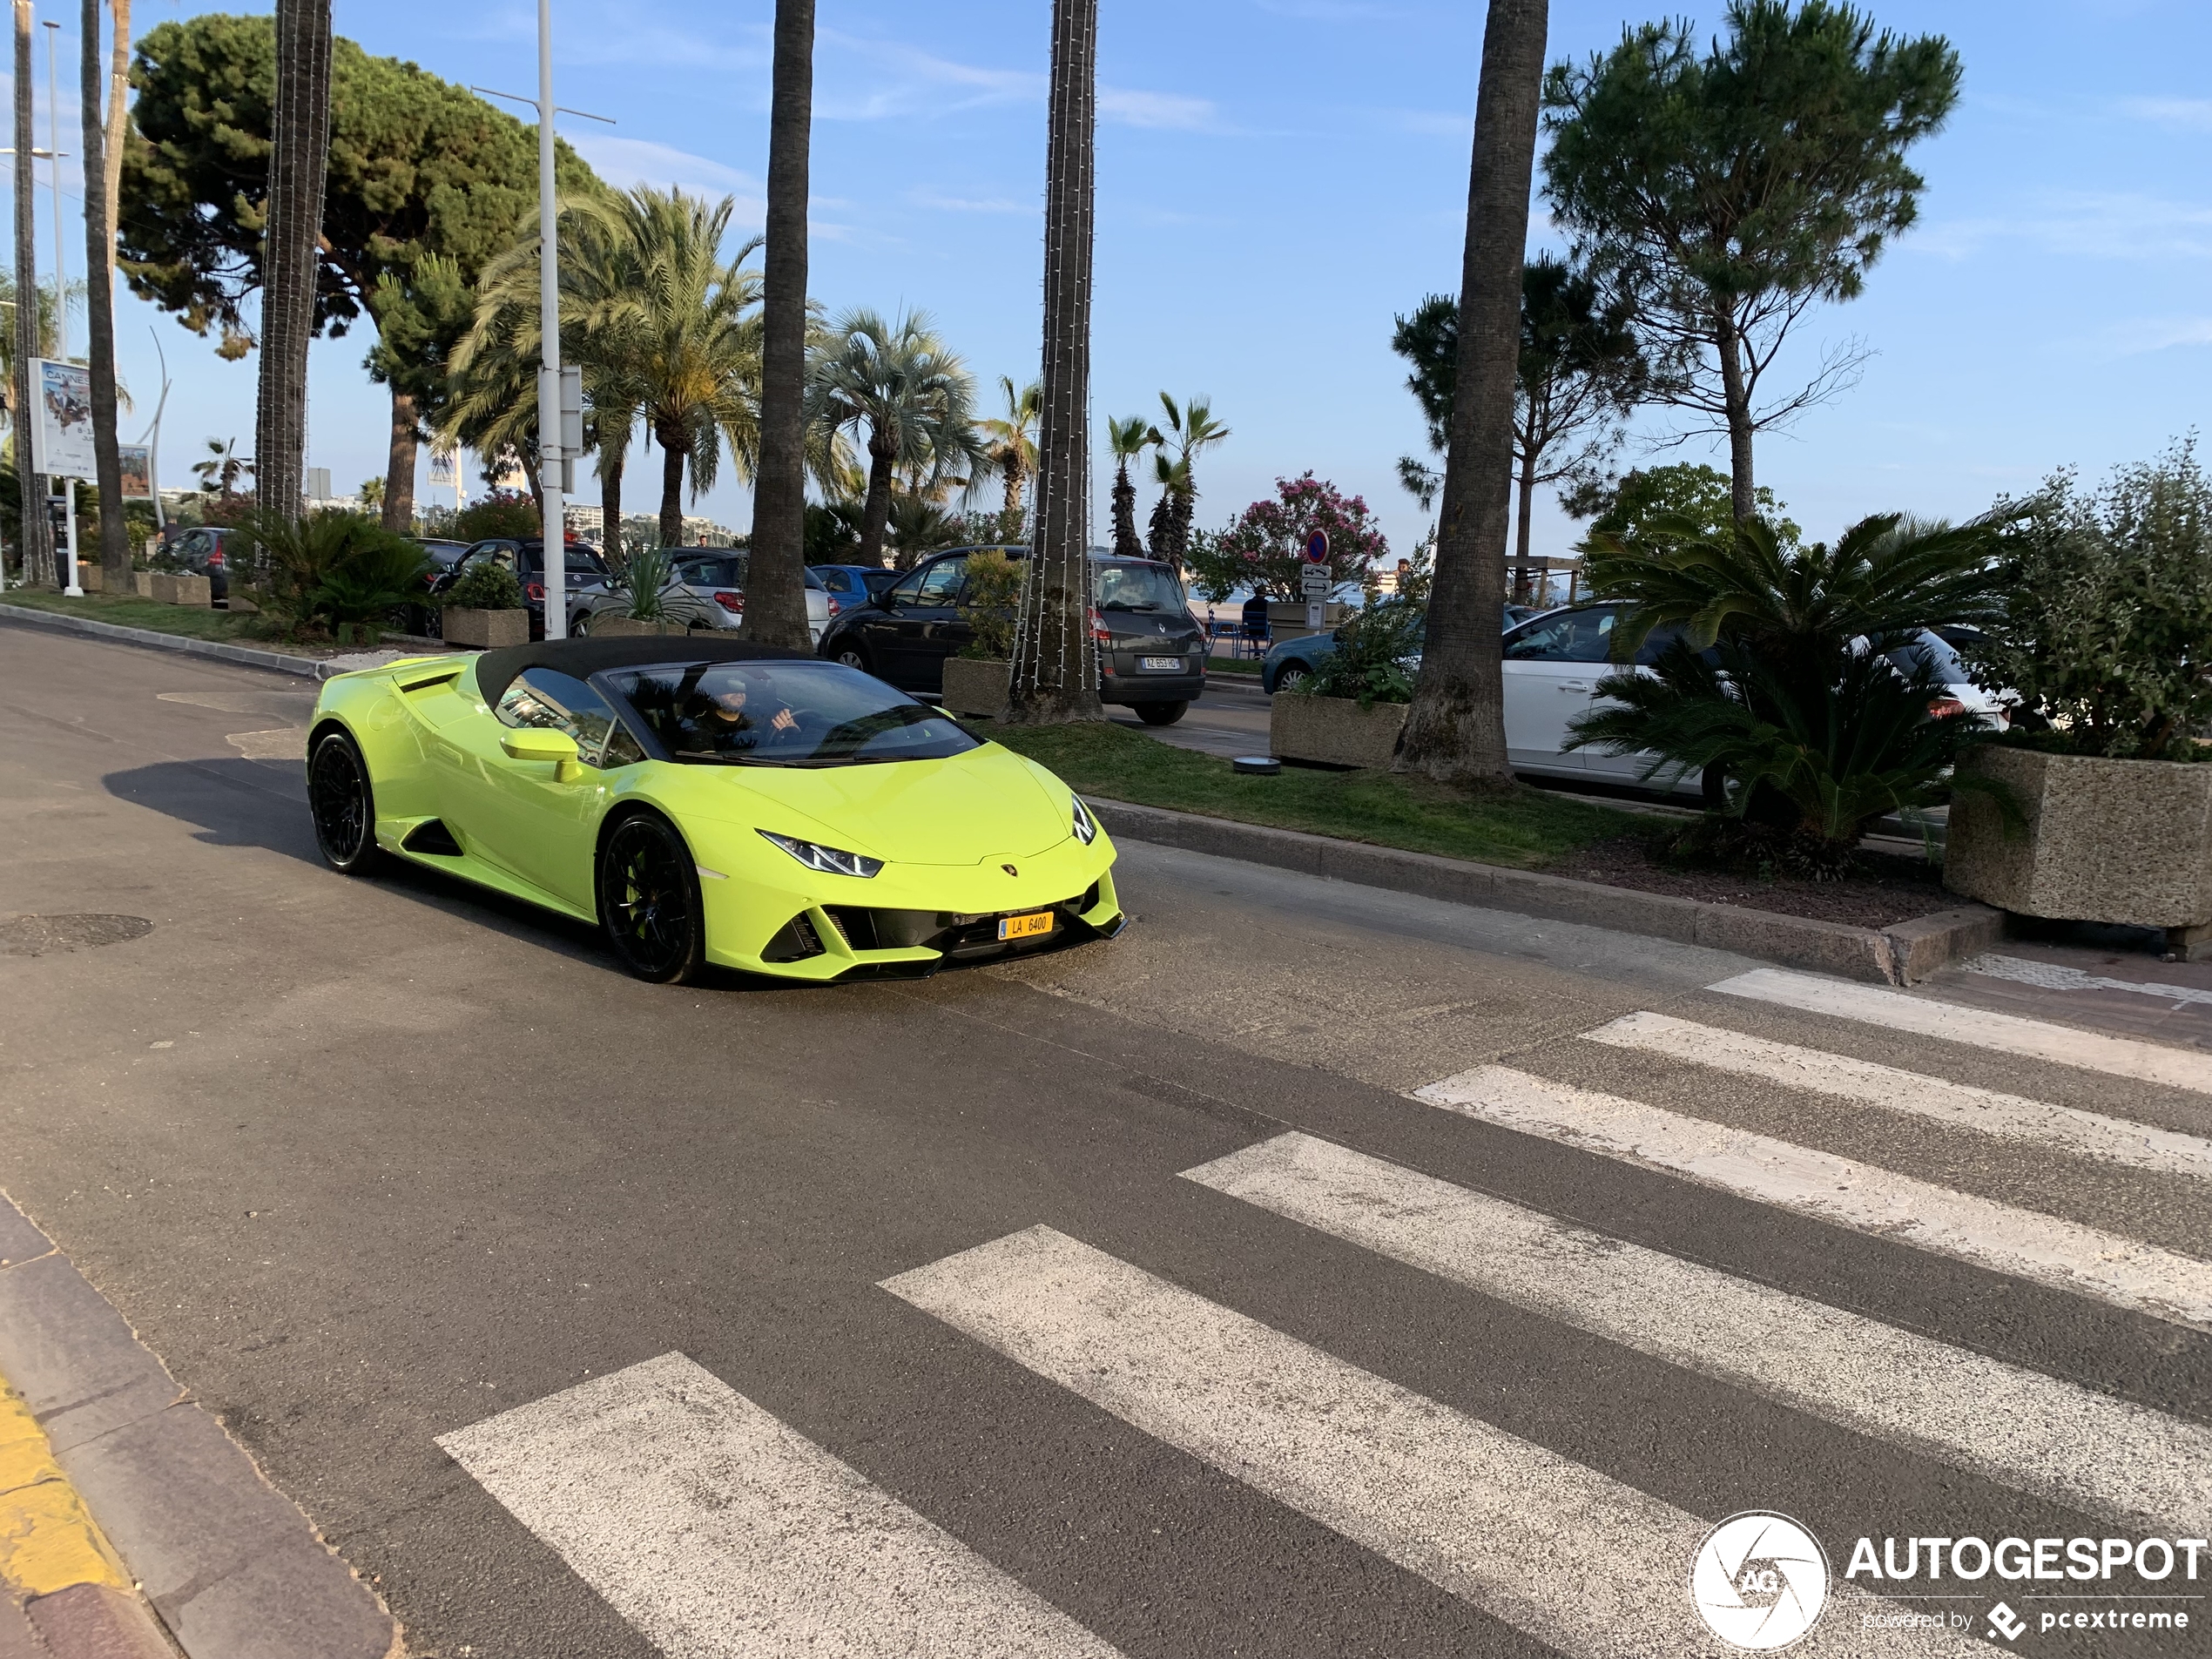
(1901, 954)
(232, 1567)
(308, 667)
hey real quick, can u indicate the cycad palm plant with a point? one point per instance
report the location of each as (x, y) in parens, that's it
(1782, 690)
(913, 397)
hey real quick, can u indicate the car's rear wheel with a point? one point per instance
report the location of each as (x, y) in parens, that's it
(1159, 713)
(343, 806)
(1291, 676)
(649, 900)
(852, 657)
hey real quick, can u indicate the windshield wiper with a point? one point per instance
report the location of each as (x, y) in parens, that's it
(1147, 605)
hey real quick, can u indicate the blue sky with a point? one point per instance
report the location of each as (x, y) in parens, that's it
(1277, 178)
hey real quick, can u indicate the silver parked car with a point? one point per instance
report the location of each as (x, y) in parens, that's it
(705, 589)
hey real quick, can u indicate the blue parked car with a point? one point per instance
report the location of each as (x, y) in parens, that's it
(852, 583)
(1294, 659)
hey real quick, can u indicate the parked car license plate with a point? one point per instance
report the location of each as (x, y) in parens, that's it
(1031, 926)
(1168, 663)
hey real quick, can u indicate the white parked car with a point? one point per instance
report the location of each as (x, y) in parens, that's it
(705, 589)
(1553, 664)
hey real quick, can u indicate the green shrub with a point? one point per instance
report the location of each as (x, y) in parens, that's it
(986, 604)
(335, 572)
(1375, 655)
(486, 585)
(501, 514)
(2107, 627)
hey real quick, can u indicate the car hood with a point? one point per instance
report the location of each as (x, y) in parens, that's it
(989, 803)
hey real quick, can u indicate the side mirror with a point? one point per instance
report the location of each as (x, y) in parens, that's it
(538, 743)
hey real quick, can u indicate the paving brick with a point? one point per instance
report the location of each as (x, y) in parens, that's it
(71, 1357)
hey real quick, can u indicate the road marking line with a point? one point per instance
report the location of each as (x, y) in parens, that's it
(2084, 1260)
(2010, 1117)
(718, 1533)
(2016, 1427)
(2007, 1033)
(1587, 1566)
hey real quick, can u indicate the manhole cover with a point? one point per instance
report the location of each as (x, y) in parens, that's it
(40, 936)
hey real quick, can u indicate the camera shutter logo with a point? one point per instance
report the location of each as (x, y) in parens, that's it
(1759, 1580)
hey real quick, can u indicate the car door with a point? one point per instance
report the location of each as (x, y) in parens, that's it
(522, 815)
(944, 630)
(1552, 666)
(1629, 768)
(891, 632)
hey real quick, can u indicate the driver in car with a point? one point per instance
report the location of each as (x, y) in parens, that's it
(728, 719)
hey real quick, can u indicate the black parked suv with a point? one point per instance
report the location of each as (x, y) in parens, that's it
(198, 549)
(1151, 652)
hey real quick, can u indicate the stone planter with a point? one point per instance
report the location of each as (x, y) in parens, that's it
(1335, 731)
(2125, 841)
(180, 589)
(604, 626)
(976, 686)
(485, 629)
(142, 581)
(91, 577)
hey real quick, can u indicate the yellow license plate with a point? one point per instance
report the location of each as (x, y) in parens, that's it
(1034, 927)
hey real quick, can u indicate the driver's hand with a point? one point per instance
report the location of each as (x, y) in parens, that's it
(784, 721)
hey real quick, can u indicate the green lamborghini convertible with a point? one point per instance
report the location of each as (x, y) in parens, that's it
(709, 802)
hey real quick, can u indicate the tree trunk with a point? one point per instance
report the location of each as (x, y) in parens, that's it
(99, 312)
(399, 469)
(118, 111)
(1160, 527)
(1742, 488)
(1055, 676)
(876, 512)
(1520, 533)
(1010, 501)
(775, 583)
(1126, 546)
(1455, 729)
(671, 493)
(36, 540)
(1186, 503)
(299, 127)
(611, 467)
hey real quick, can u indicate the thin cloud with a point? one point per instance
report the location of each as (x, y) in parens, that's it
(912, 81)
(2143, 334)
(1169, 110)
(628, 162)
(2121, 225)
(2179, 114)
(928, 197)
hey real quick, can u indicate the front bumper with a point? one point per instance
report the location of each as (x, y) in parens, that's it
(909, 919)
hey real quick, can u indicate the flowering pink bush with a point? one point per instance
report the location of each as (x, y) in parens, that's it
(1266, 545)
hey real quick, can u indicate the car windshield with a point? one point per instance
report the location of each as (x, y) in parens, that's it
(784, 713)
(1134, 587)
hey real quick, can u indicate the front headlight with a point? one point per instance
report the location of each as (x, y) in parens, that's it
(1086, 826)
(830, 860)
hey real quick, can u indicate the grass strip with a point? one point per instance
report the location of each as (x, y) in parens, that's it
(1521, 827)
(128, 611)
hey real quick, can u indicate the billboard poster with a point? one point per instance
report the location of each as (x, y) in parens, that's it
(61, 436)
(138, 470)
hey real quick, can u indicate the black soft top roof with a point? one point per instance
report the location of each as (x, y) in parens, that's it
(496, 670)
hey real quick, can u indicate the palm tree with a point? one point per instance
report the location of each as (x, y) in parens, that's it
(1191, 428)
(99, 307)
(1010, 448)
(913, 395)
(299, 134)
(1455, 730)
(1053, 678)
(776, 608)
(223, 467)
(666, 330)
(1128, 436)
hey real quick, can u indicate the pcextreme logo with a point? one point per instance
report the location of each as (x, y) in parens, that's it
(1759, 1580)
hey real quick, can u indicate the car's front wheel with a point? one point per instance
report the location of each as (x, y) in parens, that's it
(852, 657)
(1159, 713)
(580, 625)
(1291, 676)
(342, 804)
(649, 900)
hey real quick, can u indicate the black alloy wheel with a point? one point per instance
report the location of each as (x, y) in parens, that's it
(343, 806)
(649, 901)
(1159, 713)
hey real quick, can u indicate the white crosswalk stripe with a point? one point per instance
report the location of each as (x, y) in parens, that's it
(2064, 1128)
(718, 1533)
(1977, 1028)
(2017, 1427)
(1581, 1562)
(2086, 1260)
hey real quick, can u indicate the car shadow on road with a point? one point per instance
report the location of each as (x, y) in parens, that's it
(264, 804)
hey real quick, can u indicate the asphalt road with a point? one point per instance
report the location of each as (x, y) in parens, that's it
(1121, 1299)
(1230, 718)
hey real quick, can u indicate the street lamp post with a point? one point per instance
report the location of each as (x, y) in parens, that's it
(551, 454)
(61, 300)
